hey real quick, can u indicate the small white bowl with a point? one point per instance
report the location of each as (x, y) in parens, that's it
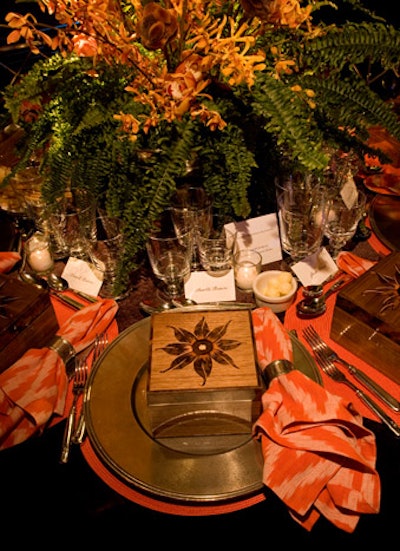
(276, 303)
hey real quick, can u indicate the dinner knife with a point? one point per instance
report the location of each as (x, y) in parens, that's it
(363, 378)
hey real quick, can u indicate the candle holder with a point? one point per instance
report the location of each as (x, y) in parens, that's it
(247, 265)
(38, 254)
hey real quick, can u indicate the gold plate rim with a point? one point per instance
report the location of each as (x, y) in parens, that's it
(124, 446)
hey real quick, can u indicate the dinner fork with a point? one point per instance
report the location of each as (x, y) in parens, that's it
(80, 378)
(320, 345)
(330, 369)
(100, 343)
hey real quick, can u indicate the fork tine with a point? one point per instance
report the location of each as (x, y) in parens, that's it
(325, 363)
(101, 341)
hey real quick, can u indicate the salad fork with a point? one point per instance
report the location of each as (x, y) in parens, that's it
(100, 344)
(80, 377)
(330, 369)
(322, 346)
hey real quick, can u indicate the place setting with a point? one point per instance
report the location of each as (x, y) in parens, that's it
(163, 425)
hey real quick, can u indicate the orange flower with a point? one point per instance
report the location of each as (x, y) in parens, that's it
(157, 27)
(85, 46)
(278, 12)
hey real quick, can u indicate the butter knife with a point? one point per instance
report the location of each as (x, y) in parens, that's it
(68, 301)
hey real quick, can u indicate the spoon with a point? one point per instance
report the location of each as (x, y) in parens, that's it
(33, 279)
(315, 304)
(58, 284)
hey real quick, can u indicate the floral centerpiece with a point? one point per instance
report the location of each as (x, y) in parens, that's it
(131, 99)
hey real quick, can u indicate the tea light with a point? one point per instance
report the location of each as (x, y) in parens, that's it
(247, 265)
(38, 254)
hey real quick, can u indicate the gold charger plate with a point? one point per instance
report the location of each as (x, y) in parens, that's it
(199, 470)
(384, 216)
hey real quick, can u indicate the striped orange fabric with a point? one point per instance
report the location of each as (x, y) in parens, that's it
(33, 390)
(352, 264)
(318, 457)
(8, 259)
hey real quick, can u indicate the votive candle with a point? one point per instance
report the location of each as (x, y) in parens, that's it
(247, 264)
(39, 255)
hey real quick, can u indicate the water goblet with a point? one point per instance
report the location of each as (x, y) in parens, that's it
(170, 260)
(342, 221)
(302, 204)
(73, 224)
(191, 212)
(106, 253)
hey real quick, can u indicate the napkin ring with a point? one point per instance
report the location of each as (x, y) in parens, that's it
(63, 348)
(276, 368)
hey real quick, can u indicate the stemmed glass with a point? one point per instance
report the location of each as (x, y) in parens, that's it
(170, 258)
(302, 204)
(343, 220)
(191, 212)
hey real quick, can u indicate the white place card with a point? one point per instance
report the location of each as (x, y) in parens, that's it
(83, 276)
(202, 287)
(261, 234)
(349, 192)
(316, 268)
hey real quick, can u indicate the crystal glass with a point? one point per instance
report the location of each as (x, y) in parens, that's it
(191, 213)
(106, 252)
(216, 246)
(73, 224)
(343, 220)
(302, 204)
(170, 260)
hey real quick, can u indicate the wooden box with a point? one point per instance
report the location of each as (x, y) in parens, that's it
(26, 321)
(203, 376)
(366, 317)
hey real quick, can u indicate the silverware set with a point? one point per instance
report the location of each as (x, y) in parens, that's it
(326, 358)
(79, 383)
(74, 432)
(100, 345)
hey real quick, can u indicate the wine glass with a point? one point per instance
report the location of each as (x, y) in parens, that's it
(302, 204)
(191, 213)
(170, 259)
(343, 220)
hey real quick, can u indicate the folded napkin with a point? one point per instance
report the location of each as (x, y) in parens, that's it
(352, 264)
(35, 387)
(318, 457)
(8, 259)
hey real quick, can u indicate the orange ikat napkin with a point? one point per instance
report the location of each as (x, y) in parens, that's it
(35, 387)
(319, 459)
(352, 264)
(8, 259)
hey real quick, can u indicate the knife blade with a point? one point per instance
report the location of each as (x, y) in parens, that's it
(364, 379)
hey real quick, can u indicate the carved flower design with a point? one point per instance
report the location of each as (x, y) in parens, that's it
(390, 291)
(201, 347)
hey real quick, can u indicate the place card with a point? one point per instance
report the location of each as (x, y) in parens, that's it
(83, 276)
(349, 192)
(316, 268)
(261, 234)
(202, 287)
